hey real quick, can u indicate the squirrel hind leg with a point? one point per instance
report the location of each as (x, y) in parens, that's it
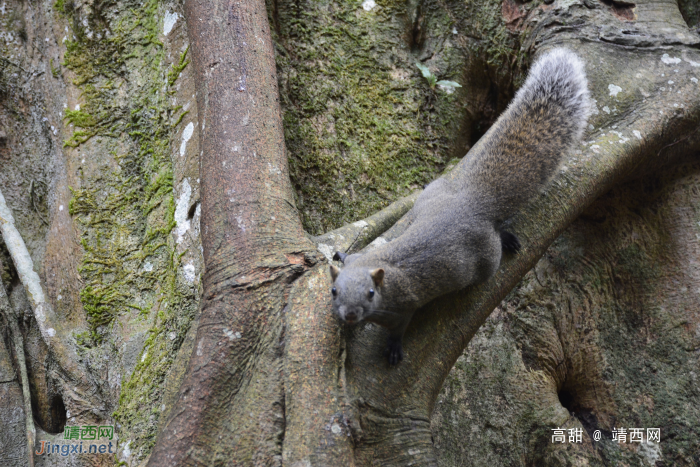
(509, 242)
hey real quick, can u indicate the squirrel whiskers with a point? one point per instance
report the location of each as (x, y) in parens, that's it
(455, 239)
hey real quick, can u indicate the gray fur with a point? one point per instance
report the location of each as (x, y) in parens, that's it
(453, 240)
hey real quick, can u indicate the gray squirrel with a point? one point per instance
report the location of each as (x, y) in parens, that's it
(455, 237)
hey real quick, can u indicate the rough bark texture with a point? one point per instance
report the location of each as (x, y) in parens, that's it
(100, 134)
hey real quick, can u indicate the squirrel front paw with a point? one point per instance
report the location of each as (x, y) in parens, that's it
(509, 242)
(394, 351)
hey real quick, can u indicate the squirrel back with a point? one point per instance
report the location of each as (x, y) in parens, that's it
(521, 152)
(454, 238)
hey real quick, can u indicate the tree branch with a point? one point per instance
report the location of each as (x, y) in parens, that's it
(53, 332)
(11, 317)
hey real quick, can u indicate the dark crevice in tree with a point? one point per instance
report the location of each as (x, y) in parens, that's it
(58, 415)
(192, 210)
(566, 399)
(417, 32)
(621, 10)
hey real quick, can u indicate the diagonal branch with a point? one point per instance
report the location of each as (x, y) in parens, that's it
(625, 139)
(54, 332)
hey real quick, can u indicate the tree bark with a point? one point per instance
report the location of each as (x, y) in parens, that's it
(253, 368)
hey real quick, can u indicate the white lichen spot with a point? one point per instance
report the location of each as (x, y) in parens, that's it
(77, 106)
(623, 140)
(614, 90)
(378, 241)
(692, 63)
(651, 451)
(595, 148)
(414, 452)
(186, 135)
(241, 224)
(335, 428)
(454, 30)
(126, 452)
(591, 127)
(148, 266)
(606, 109)
(172, 335)
(694, 80)
(668, 60)
(188, 272)
(183, 204)
(670, 82)
(59, 298)
(169, 21)
(162, 408)
(637, 134)
(360, 224)
(368, 5)
(51, 332)
(199, 348)
(143, 357)
(231, 335)
(273, 169)
(326, 250)
(60, 208)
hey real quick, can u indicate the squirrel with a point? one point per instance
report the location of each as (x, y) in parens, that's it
(455, 237)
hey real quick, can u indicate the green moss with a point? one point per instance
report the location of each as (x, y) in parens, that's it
(177, 69)
(55, 71)
(362, 126)
(358, 135)
(125, 212)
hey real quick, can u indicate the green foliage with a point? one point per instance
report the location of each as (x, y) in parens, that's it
(55, 71)
(432, 79)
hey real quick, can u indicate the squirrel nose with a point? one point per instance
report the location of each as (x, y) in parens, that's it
(350, 316)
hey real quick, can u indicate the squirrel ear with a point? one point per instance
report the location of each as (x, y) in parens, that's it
(377, 276)
(334, 272)
(339, 256)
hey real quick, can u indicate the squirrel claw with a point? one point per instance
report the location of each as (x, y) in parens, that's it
(394, 352)
(509, 242)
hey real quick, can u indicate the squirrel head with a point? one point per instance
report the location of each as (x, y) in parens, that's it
(356, 292)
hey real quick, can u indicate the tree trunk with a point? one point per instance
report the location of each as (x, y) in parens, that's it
(101, 134)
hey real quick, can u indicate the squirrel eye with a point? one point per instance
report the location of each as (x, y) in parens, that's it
(371, 293)
(334, 291)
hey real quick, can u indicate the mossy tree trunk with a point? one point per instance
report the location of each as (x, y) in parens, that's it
(101, 135)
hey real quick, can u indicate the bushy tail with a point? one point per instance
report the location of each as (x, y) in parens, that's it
(524, 148)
